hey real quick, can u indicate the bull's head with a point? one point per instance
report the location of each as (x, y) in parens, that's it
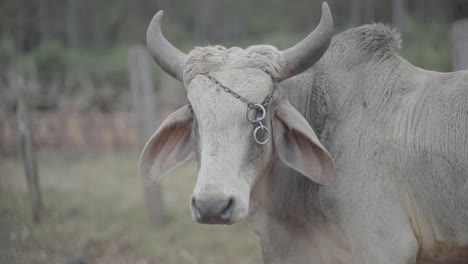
(217, 126)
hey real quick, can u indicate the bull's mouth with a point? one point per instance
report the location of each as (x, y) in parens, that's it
(213, 221)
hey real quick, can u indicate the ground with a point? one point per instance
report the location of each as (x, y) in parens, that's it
(94, 213)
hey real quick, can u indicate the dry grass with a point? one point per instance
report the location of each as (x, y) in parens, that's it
(95, 212)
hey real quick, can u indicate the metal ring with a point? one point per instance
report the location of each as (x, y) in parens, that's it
(261, 109)
(261, 127)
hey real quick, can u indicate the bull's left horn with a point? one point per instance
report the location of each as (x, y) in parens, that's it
(170, 58)
(306, 53)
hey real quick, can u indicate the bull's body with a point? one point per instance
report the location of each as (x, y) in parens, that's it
(369, 166)
(399, 137)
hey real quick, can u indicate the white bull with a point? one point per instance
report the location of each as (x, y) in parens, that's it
(397, 134)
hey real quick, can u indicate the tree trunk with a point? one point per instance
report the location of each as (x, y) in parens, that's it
(421, 11)
(44, 18)
(202, 20)
(460, 44)
(72, 29)
(356, 12)
(369, 11)
(20, 31)
(459, 10)
(399, 14)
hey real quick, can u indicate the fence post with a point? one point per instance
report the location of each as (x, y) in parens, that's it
(143, 100)
(27, 151)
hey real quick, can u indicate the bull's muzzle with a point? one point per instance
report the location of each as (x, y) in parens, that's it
(212, 209)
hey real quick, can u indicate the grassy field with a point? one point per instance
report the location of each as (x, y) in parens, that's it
(94, 212)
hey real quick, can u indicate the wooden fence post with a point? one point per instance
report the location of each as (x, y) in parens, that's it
(27, 151)
(143, 100)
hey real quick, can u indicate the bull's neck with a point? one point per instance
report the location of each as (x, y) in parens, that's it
(294, 195)
(309, 94)
(321, 95)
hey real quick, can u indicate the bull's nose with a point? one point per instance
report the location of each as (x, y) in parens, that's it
(214, 210)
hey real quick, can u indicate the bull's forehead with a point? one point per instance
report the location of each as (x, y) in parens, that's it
(206, 96)
(224, 133)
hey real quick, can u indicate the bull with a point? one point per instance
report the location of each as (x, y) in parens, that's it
(335, 150)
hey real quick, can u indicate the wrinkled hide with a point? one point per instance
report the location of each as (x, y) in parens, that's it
(399, 137)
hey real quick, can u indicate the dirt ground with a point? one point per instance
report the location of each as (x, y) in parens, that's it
(94, 213)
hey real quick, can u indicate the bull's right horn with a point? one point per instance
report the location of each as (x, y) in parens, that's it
(306, 53)
(167, 56)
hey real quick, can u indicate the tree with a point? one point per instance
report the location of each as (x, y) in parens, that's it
(44, 18)
(72, 22)
(460, 34)
(420, 7)
(202, 20)
(399, 13)
(356, 12)
(369, 11)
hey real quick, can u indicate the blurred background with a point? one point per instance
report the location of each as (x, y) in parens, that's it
(79, 96)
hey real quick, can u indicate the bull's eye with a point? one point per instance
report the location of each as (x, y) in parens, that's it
(191, 112)
(190, 108)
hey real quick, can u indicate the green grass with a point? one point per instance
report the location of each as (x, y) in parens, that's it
(94, 208)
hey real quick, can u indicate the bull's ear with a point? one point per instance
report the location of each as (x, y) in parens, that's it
(298, 146)
(170, 146)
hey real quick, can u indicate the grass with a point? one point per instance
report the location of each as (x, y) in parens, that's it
(94, 211)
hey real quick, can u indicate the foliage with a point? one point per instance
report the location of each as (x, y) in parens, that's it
(103, 65)
(428, 46)
(74, 47)
(50, 59)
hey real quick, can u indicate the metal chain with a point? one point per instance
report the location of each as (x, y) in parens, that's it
(259, 127)
(236, 95)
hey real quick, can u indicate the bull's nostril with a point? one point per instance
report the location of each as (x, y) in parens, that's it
(196, 210)
(227, 211)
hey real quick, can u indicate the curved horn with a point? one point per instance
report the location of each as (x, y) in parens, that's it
(163, 52)
(306, 53)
